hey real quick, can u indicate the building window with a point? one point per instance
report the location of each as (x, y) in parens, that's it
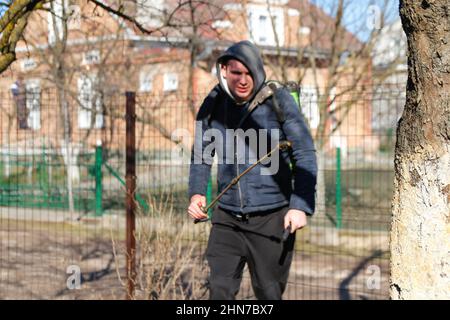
(91, 57)
(18, 94)
(55, 20)
(145, 81)
(309, 105)
(170, 82)
(90, 103)
(27, 98)
(261, 24)
(150, 13)
(28, 64)
(33, 103)
(293, 13)
(222, 24)
(306, 31)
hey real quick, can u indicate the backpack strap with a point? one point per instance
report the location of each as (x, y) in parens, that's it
(263, 94)
(212, 98)
(295, 91)
(267, 91)
(276, 106)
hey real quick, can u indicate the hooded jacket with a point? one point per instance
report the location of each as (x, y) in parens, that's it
(248, 55)
(220, 115)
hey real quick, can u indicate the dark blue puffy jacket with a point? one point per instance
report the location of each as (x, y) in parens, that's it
(255, 191)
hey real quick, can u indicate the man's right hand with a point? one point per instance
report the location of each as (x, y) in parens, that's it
(194, 210)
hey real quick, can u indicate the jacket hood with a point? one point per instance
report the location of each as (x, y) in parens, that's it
(249, 55)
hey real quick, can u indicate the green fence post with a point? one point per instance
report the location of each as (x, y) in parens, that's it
(1, 167)
(42, 176)
(42, 171)
(338, 189)
(209, 195)
(39, 169)
(98, 180)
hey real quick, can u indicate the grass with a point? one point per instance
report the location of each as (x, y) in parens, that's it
(361, 188)
(366, 194)
(81, 229)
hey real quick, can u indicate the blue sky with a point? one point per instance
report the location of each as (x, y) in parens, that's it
(356, 13)
(2, 8)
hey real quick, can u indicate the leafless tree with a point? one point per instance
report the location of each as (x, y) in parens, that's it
(337, 64)
(15, 19)
(60, 56)
(187, 20)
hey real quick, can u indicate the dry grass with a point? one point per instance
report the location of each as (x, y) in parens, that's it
(35, 254)
(169, 262)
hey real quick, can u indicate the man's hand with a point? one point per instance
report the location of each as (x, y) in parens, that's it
(296, 219)
(194, 209)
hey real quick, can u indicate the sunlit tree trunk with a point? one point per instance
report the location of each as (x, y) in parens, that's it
(420, 235)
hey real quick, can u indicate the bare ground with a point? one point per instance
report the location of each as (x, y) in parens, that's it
(36, 255)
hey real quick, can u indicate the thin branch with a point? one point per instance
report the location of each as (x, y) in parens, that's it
(120, 13)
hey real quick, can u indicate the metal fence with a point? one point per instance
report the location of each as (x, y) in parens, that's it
(51, 252)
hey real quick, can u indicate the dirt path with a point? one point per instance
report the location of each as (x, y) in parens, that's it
(36, 258)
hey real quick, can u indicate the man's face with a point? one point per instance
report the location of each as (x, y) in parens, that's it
(239, 79)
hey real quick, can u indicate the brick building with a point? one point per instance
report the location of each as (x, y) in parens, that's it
(170, 69)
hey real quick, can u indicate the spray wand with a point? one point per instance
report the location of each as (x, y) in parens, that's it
(282, 146)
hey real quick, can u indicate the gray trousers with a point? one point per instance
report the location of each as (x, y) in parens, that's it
(233, 242)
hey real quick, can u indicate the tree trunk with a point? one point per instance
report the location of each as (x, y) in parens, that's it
(321, 190)
(7, 142)
(420, 234)
(67, 148)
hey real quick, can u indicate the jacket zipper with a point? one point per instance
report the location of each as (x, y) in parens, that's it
(237, 172)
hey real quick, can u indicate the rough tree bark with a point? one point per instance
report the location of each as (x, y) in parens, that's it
(420, 234)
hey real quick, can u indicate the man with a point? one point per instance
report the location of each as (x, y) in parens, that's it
(248, 223)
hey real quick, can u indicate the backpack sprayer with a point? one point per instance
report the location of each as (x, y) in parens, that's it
(283, 145)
